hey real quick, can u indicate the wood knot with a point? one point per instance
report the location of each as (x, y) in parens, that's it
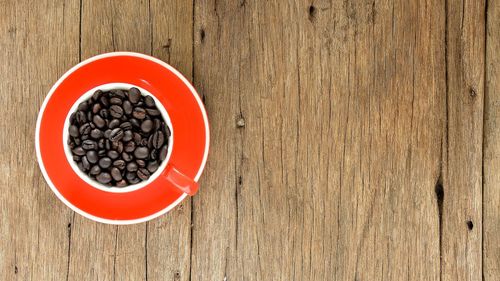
(15, 269)
(177, 275)
(202, 35)
(168, 44)
(472, 92)
(241, 122)
(312, 12)
(470, 225)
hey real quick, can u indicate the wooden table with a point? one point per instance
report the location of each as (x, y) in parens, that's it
(351, 140)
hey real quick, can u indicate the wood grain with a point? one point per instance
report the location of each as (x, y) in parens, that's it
(35, 51)
(491, 161)
(462, 204)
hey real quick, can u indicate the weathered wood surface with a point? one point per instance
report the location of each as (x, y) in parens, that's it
(348, 140)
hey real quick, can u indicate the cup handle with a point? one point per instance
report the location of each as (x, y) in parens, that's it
(180, 181)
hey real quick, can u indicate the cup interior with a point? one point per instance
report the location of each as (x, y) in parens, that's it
(86, 178)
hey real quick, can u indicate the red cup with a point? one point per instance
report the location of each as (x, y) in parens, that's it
(182, 110)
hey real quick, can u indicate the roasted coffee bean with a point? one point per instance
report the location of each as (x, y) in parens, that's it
(154, 154)
(73, 131)
(96, 134)
(166, 130)
(98, 121)
(96, 108)
(135, 123)
(104, 113)
(101, 144)
(80, 166)
(76, 158)
(107, 133)
(118, 93)
(89, 145)
(137, 138)
(120, 164)
(141, 152)
(119, 148)
(83, 106)
(121, 183)
(149, 101)
(101, 152)
(95, 170)
(84, 137)
(107, 144)
(104, 101)
(114, 123)
(72, 118)
(163, 153)
(81, 117)
(147, 126)
(144, 142)
(92, 125)
(116, 111)
(105, 162)
(140, 163)
(116, 174)
(134, 95)
(127, 157)
(103, 178)
(132, 167)
(78, 151)
(85, 163)
(92, 156)
(113, 154)
(126, 126)
(116, 134)
(143, 174)
(115, 100)
(129, 146)
(157, 124)
(129, 175)
(158, 139)
(78, 141)
(85, 129)
(127, 135)
(139, 113)
(152, 166)
(150, 142)
(153, 112)
(89, 115)
(127, 107)
(97, 95)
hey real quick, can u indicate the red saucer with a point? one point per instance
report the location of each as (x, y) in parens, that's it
(189, 126)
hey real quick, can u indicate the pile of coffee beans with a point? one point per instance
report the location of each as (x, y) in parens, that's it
(118, 137)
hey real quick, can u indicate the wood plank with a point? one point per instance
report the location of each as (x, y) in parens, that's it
(326, 127)
(39, 41)
(99, 251)
(491, 161)
(462, 186)
(169, 236)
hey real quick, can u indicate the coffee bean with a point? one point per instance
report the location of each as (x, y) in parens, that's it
(115, 100)
(116, 111)
(78, 151)
(107, 144)
(132, 167)
(78, 141)
(154, 154)
(144, 142)
(157, 124)
(105, 162)
(134, 95)
(129, 146)
(134, 180)
(101, 152)
(96, 134)
(96, 108)
(116, 134)
(127, 157)
(81, 117)
(143, 174)
(89, 115)
(97, 95)
(84, 137)
(89, 145)
(149, 101)
(114, 123)
(116, 174)
(121, 183)
(126, 126)
(141, 152)
(140, 163)
(152, 166)
(72, 118)
(92, 125)
(98, 121)
(129, 175)
(85, 163)
(119, 148)
(107, 133)
(104, 101)
(127, 107)
(166, 130)
(120, 164)
(80, 166)
(85, 129)
(76, 158)
(101, 143)
(158, 139)
(95, 170)
(104, 113)
(103, 178)
(150, 142)
(147, 126)
(92, 156)
(135, 123)
(73, 131)
(137, 138)
(163, 152)
(83, 106)
(127, 135)
(139, 113)
(113, 154)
